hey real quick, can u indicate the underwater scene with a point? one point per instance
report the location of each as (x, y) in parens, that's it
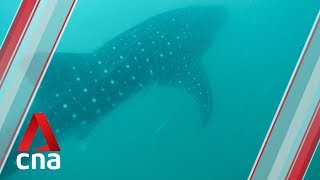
(170, 89)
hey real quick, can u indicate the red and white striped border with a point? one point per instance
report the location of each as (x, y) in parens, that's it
(311, 136)
(16, 35)
(12, 46)
(306, 148)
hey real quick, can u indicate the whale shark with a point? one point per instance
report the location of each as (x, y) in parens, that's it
(165, 50)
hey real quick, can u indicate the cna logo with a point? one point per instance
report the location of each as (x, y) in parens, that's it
(38, 159)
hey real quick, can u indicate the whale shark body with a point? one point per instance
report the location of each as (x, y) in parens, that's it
(165, 50)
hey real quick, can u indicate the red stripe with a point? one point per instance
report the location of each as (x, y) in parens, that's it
(303, 140)
(285, 98)
(15, 36)
(37, 83)
(308, 147)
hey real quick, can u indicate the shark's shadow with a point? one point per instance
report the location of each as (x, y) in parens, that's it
(165, 50)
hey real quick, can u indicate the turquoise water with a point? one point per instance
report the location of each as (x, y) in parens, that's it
(156, 134)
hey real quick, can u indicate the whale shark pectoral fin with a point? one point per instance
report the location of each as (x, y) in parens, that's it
(199, 87)
(192, 77)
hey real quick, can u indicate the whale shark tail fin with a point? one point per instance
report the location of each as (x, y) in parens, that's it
(191, 76)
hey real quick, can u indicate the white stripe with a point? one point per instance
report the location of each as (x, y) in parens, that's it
(293, 135)
(302, 141)
(314, 27)
(17, 45)
(26, 56)
(41, 77)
